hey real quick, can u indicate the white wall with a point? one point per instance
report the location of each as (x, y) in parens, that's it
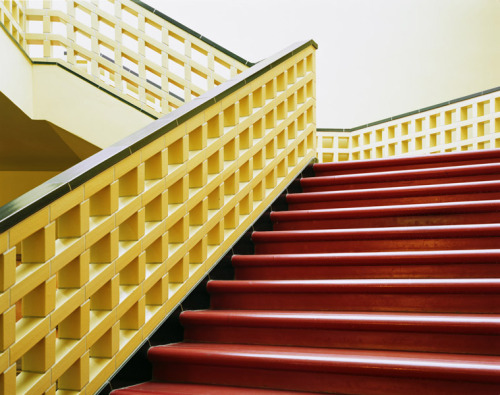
(376, 58)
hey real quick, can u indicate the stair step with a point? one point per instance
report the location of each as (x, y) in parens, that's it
(451, 333)
(439, 193)
(157, 387)
(316, 369)
(389, 295)
(384, 278)
(408, 162)
(449, 237)
(452, 213)
(442, 175)
(399, 264)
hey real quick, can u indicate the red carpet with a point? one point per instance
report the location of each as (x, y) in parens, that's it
(382, 278)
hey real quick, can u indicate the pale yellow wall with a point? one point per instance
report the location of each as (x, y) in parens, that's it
(15, 183)
(79, 107)
(390, 57)
(376, 58)
(16, 81)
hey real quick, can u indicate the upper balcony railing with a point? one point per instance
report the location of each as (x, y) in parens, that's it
(123, 46)
(463, 124)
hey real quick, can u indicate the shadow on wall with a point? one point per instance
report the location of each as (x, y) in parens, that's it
(33, 151)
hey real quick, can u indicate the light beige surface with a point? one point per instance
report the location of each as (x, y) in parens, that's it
(16, 80)
(376, 58)
(79, 107)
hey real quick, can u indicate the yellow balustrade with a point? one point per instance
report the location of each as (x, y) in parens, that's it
(464, 125)
(90, 268)
(144, 58)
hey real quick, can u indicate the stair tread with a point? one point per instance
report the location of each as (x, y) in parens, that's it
(156, 387)
(371, 258)
(390, 210)
(467, 367)
(401, 191)
(365, 304)
(409, 322)
(396, 232)
(461, 285)
(394, 175)
(417, 159)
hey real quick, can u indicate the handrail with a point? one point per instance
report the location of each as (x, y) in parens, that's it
(22, 207)
(92, 260)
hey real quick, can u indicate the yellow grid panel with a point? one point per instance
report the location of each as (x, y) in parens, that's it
(85, 280)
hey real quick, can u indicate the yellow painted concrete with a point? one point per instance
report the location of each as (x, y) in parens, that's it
(15, 183)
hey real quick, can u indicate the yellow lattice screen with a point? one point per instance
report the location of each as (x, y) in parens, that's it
(86, 279)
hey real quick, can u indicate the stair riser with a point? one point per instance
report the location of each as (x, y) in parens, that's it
(375, 169)
(303, 380)
(398, 183)
(348, 338)
(313, 272)
(383, 222)
(161, 388)
(373, 322)
(323, 246)
(367, 201)
(351, 301)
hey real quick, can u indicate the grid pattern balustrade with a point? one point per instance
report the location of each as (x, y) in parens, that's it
(465, 125)
(87, 278)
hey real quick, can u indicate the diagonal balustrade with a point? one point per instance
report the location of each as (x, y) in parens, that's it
(94, 259)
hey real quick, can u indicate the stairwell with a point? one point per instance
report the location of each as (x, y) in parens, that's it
(383, 277)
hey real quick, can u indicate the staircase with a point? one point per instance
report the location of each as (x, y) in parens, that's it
(382, 278)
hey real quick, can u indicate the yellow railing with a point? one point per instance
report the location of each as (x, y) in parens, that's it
(94, 259)
(143, 57)
(462, 125)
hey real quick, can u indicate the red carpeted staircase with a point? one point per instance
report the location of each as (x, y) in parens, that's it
(382, 278)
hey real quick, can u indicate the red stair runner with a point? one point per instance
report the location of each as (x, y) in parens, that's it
(382, 278)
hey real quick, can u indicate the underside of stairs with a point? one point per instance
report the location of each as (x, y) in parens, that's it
(383, 277)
